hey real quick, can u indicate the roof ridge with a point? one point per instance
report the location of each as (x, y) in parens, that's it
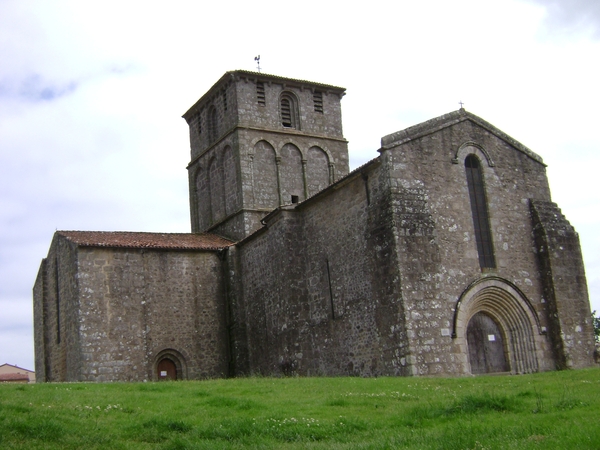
(146, 239)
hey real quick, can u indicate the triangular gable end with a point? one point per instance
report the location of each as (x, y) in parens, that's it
(447, 120)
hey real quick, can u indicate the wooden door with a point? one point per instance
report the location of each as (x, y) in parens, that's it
(486, 345)
(166, 370)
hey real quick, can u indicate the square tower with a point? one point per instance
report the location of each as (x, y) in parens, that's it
(258, 142)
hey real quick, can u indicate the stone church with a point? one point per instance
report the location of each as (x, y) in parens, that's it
(444, 255)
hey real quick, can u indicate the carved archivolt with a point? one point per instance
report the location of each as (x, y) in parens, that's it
(513, 312)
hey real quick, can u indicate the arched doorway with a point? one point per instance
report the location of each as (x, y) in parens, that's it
(486, 345)
(166, 370)
(496, 328)
(169, 364)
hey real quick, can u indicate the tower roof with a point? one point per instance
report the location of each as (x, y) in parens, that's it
(235, 75)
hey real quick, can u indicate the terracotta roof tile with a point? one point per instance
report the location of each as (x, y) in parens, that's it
(14, 377)
(126, 239)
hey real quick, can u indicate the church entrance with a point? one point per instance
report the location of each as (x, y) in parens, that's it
(166, 370)
(486, 345)
(497, 327)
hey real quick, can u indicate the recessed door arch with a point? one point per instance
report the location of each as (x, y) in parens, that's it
(169, 365)
(510, 317)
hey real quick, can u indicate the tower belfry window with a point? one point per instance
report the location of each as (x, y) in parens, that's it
(479, 210)
(289, 112)
(286, 114)
(260, 93)
(318, 101)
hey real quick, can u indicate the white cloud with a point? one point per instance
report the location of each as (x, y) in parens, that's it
(570, 18)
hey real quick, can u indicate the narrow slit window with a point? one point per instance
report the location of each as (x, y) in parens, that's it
(318, 101)
(224, 100)
(57, 299)
(213, 125)
(260, 93)
(479, 211)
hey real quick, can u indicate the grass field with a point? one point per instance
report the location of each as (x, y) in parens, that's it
(555, 410)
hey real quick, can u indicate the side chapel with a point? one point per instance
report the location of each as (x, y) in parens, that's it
(444, 255)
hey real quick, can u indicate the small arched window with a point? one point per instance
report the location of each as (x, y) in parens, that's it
(289, 111)
(479, 210)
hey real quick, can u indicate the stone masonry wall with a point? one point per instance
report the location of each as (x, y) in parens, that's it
(39, 299)
(56, 315)
(565, 286)
(224, 101)
(252, 114)
(436, 241)
(134, 304)
(366, 278)
(255, 163)
(319, 290)
(266, 169)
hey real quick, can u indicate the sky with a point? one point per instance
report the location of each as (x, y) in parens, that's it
(92, 93)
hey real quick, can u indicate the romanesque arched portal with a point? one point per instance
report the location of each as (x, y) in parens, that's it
(496, 326)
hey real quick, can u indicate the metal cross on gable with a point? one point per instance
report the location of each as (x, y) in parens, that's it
(461, 104)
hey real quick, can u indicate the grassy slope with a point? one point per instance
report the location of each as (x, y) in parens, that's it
(559, 410)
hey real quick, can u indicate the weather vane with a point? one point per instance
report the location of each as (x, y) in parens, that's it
(257, 59)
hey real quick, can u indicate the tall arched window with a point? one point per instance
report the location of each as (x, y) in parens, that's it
(289, 111)
(479, 210)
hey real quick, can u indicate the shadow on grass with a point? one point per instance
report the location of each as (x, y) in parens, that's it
(159, 430)
(467, 405)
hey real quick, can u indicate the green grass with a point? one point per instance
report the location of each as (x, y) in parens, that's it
(554, 410)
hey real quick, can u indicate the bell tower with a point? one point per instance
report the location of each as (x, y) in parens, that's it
(258, 142)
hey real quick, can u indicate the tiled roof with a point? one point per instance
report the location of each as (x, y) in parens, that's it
(14, 377)
(126, 239)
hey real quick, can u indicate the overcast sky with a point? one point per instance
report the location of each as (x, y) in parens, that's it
(92, 93)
